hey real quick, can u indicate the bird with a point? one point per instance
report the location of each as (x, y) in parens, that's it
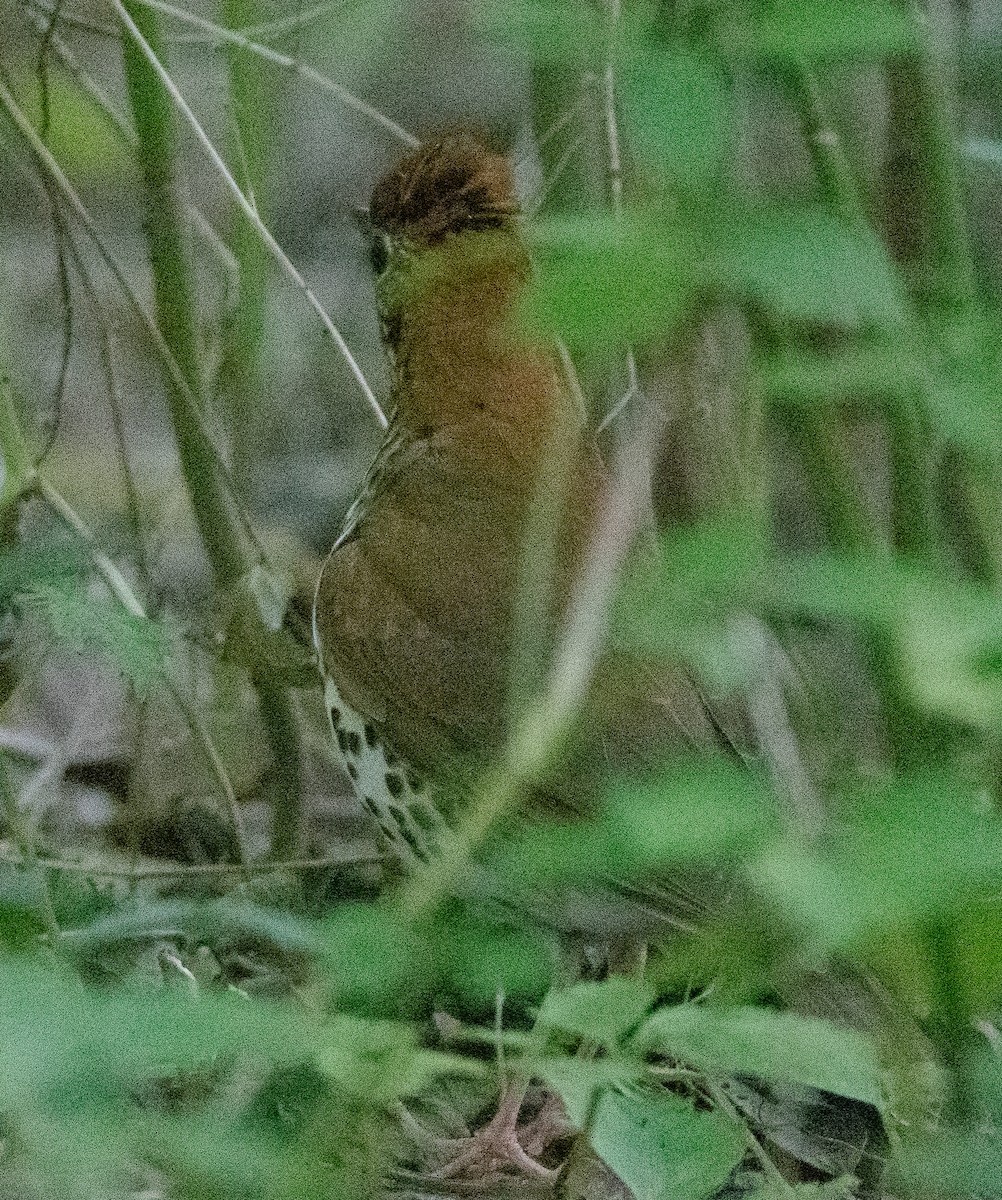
(415, 615)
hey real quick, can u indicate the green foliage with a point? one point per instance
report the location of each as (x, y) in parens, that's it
(662, 1148)
(178, 1037)
(136, 646)
(80, 134)
(775, 1045)
(808, 29)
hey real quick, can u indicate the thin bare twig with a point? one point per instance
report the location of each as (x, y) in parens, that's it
(220, 33)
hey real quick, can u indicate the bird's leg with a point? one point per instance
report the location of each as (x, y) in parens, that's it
(497, 1145)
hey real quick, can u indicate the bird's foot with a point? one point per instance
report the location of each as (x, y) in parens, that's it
(500, 1149)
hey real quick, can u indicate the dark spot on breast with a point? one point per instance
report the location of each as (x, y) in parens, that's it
(423, 817)
(342, 741)
(370, 805)
(335, 716)
(392, 759)
(354, 743)
(406, 832)
(414, 781)
(395, 784)
(370, 735)
(352, 772)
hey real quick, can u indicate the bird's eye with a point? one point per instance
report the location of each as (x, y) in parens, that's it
(379, 251)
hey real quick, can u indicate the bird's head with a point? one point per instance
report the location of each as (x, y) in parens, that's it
(448, 187)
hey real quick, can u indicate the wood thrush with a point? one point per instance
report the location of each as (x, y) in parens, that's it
(415, 610)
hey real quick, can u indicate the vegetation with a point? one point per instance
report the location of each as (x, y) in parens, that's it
(761, 237)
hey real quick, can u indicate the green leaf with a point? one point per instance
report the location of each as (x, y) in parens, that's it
(708, 569)
(907, 853)
(807, 265)
(700, 813)
(808, 29)
(374, 959)
(601, 1012)
(662, 1148)
(760, 1041)
(547, 30)
(380, 1061)
(478, 957)
(866, 589)
(81, 135)
(137, 646)
(870, 369)
(24, 568)
(696, 813)
(602, 283)
(681, 111)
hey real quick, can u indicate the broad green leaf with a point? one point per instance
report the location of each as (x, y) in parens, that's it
(479, 957)
(806, 29)
(867, 369)
(662, 1148)
(946, 637)
(807, 265)
(868, 589)
(603, 282)
(759, 1041)
(696, 813)
(579, 1080)
(53, 1030)
(373, 959)
(680, 108)
(380, 1061)
(692, 814)
(713, 566)
(962, 1165)
(24, 568)
(905, 855)
(601, 1012)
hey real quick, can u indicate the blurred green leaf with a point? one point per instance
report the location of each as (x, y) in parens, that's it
(861, 371)
(904, 854)
(377, 1061)
(807, 265)
(680, 108)
(761, 1041)
(137, 646)
(479, 957)
(547, 30)
(374, 960)
(26, 567)
(808, 29)
(700, 813)
(662, 1148)
(601, 1012)
(711, 567)
(945, 636)
(81, 135)
(602, 282)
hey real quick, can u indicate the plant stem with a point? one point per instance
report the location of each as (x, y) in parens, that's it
(152, 106)
(174, 296)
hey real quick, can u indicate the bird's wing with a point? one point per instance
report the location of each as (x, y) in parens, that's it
(412, 610)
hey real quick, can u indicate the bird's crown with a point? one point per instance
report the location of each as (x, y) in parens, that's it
(449, 185)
